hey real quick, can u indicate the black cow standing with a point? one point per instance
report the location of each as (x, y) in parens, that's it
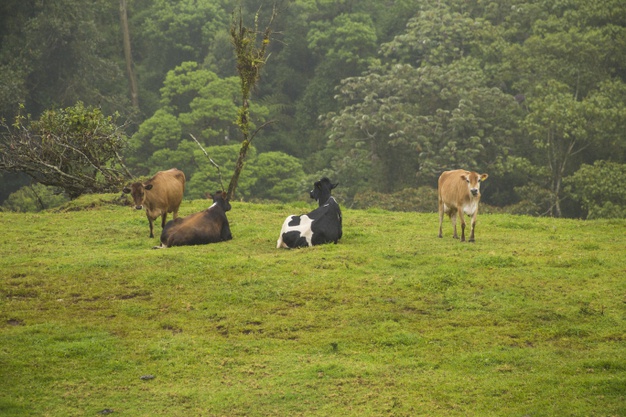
(208, 226)
(322, 225)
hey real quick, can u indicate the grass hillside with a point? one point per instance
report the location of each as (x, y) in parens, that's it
(528, 321)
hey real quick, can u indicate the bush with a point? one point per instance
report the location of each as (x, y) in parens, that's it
(534, 201)
(273, 176)
(76, 148)
(34, 198)
(204, 178)
(278, 176)
(599, 188)
(422, 199)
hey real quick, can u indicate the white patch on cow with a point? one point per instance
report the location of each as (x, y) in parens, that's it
(304, 228)
(471, 208)
(212, 205)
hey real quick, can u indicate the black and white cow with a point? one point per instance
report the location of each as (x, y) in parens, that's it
(322, 225)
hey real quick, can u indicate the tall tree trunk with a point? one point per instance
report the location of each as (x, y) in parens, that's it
(557, 197)
(132, 80)
(250, 60)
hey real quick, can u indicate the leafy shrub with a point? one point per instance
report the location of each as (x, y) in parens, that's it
(272, 176)
(34, 198)
(76, 148)
(92, 201)
(278, 176)
(204, 178)
(600, 189)
(422, 199)
(534, 201)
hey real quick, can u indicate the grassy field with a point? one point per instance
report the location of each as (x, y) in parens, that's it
(528, 321)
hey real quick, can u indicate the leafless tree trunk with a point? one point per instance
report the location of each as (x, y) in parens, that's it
(132, 80)
(250, 59)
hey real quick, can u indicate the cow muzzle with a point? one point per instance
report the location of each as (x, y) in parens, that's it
(474, 191)
(138, 207)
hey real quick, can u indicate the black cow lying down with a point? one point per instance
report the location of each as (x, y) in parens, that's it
(322, 225)
(208, 226)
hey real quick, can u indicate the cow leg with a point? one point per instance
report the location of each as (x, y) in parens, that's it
(471, 238)
(462, 225)
(163, 219)
(151, 222)
(440, 218)
(225, 233)
(453, 218)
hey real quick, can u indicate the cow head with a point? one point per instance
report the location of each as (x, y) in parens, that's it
(137, 191)
(321, 190)
(219, 198)
(473, 180)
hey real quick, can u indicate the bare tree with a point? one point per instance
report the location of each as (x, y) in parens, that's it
(132, 80)
(251, 57)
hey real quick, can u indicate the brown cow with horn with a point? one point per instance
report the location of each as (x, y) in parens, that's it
(208, 226)
(160, 195)
(459, 193)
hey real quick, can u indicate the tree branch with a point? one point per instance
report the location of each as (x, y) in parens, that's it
(257, 130)
(219, 173)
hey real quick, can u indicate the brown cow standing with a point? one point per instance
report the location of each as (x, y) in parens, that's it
(208, 226)
(459, 193)
(160, 195)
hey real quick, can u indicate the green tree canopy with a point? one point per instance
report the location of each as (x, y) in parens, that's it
(193, 101)
(600, 189)
(268, 176)
(410, 121)
(55, 53)
(167, 33)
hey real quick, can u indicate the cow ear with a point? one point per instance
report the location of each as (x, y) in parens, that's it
(126, 190)
(464, 177)
(483, 177)
(332, 186)
(148, 187)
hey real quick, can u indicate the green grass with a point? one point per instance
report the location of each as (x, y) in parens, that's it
(528, 321)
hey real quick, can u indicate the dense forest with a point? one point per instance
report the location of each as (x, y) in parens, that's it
(379, 95)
